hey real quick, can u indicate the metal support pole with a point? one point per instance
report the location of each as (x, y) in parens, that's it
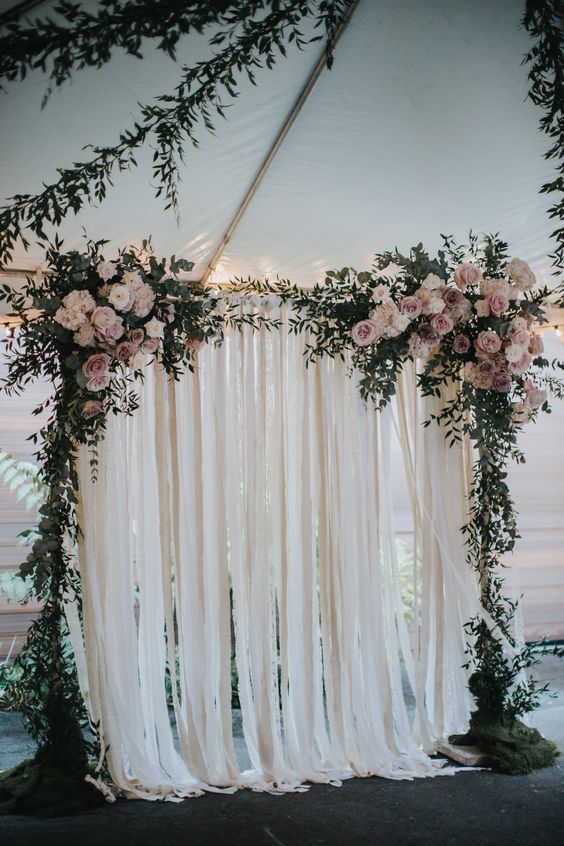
(279, 140)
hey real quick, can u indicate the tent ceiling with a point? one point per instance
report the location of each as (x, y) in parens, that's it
(421, 127)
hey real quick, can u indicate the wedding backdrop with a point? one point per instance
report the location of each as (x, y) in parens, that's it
(258, 473)
(217, 460)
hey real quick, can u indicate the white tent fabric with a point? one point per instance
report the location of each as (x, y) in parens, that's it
(262, 476)
(421, 127)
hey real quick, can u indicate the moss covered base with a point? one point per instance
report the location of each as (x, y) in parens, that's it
(508, 745)
(46, 790)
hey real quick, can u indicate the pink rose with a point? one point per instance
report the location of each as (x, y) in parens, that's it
(536, 397)
(411, 307)
(125, 350)
(112, 333)
(484, 374)
(467, 274)
(107, 325)
(502, 382)
(488, 342)
(193, 344)
(517, 368)
(96, 365)
(137, 336)
(482, 308)
(150, 345)
(453, 297)
(498, 303)
(431, 338)
(98, 382)
(102, 317)
(442, 323)
(365, 332)
(461, 344)
(90, 409)
(536, 346)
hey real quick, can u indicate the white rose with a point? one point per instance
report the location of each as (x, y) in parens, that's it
(514, 353)
(436, 305)
(132, 278)
(381, 294)
(432, 281)
(121, 297)
(519, 323)
(106, 270)
(154, 328)
(401, 322)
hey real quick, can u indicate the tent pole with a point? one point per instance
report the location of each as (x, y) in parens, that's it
(279, 140)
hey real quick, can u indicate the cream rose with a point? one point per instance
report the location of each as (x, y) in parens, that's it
(121, 297)
(106, 270)
(521, 274)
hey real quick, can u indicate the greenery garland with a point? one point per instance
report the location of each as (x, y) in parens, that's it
(94, 375)
(543, 21)
(245, 45)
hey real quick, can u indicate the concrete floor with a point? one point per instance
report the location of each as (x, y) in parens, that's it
(477, 808)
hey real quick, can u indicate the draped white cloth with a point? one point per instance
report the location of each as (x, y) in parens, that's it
(249, 503)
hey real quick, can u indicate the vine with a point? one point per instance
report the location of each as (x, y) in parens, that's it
(543, 22)
(245, 46)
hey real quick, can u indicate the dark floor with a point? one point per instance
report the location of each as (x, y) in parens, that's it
(478, 808)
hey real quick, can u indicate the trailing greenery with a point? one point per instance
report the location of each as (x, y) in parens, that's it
(23, 480)
(94, 375)
(543, 21)
(246, 45)
(468, 317)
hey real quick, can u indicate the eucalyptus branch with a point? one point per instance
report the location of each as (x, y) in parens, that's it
(543, 22)
(82, 39)
(169, 122)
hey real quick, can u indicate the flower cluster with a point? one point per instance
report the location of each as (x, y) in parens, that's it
(103, 323)
(105, 317)
(484, 322)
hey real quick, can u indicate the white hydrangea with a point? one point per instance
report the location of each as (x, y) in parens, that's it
(80, 300)
(70, 318)
(84, 337)
(144, 300)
